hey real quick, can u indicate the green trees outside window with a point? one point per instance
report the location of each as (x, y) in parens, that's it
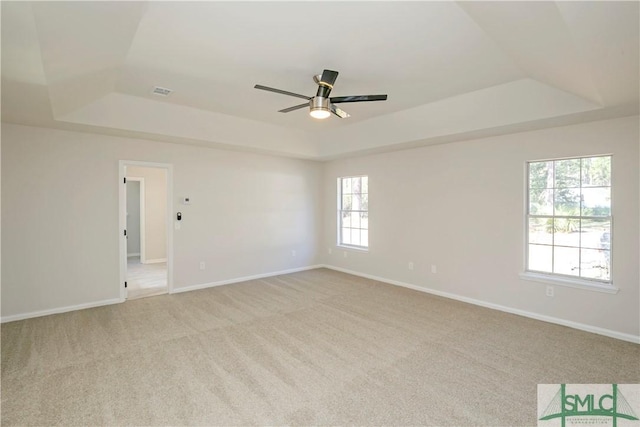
(569, 217)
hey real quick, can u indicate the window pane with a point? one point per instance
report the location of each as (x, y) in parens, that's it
(364, 202)
(541, 230)
(596, 234)
(364, 220)
(346, 236)
(566, 261)
(353, 215)
(355, 185)
(540, 258)
(346, 219)
(346, 185)
(567, 201)
(566, 232)
(541, 175)
(346, 203)
(364, 238)
(567, 173)
(595, 264)
(541, 202)
(596, 201)
(355, 219)
(571, 234)
(355, 237)
(356, 202)
(596, 172)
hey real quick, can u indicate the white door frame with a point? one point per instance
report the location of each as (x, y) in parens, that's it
(122, 164)
(143, 256)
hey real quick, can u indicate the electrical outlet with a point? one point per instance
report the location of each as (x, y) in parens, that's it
(330, 251)
(202, 265)
(434, 269)
(410, 266)
(344, 254)
(293, 252)
(549, 291)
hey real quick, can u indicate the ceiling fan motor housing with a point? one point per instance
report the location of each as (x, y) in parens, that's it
(319, 103)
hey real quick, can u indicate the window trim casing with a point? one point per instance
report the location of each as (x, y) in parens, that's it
(568, 281)
(339, 243)
(558, 278)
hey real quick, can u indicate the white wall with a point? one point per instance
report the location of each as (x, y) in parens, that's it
(60, 229)
(461, 207)
(155, 211)
(133, 218)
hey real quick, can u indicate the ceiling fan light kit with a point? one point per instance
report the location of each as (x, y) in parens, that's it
(320, 105)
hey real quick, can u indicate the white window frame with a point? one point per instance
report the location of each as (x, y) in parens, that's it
(340, 211)
(598, 285)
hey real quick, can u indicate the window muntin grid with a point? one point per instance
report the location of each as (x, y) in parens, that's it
(353, 211)
(569, 217)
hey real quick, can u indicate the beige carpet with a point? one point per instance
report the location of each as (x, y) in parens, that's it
(317, 347)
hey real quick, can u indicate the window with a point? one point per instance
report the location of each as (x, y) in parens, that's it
(569, 218)
(353, 211)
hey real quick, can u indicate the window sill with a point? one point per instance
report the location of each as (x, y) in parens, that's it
(353, 248)
(569, 282)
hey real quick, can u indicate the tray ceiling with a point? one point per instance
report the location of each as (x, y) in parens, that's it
(452, 70)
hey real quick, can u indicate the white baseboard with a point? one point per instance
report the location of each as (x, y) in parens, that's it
(243, 279)
(580, 326)
(131, 255)
(13, 318)
(41, 313)
(575, 325)
(154, 261)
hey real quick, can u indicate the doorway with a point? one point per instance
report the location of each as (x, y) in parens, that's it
(145, 213)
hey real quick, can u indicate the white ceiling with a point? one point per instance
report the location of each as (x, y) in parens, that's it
(452, 70)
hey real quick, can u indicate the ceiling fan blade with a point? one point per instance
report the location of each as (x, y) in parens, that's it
(329, 77)
(283, 92)
(358, 98)
(325, 84)
(338, 112)
(295, 107)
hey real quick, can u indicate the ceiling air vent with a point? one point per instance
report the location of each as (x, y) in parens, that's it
(161, 91)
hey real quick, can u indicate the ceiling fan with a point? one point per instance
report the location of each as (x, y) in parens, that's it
(320, 105)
